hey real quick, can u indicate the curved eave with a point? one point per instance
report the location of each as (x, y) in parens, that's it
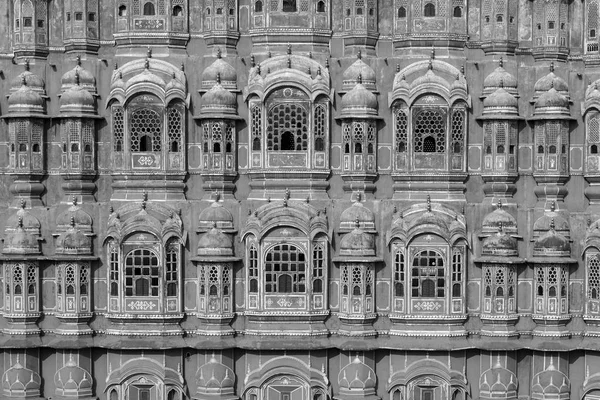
(221, 259)
(360, 259)
(357, 116)
(551, 117)
(498, 116)
(499, 260)
(551, 260)
(217, 116)
(77, 115)
(25, 115)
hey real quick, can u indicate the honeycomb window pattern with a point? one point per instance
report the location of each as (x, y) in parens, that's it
(320, 127)
(458, 137)
(84, 279)
(175, 130)
(145, 131)
(118, 129)
(401, 130)
(70, 280)
(287, 128)
(429, 131)
(256, 127)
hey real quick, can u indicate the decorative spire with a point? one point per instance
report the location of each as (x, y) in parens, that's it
(182, 68)
(252, 61)
(430, 66)
(397, 67)
(116, 66)
(502, 82)
(23, 204)
(289, 62)
(74, 200)
(432, 52)
(319, 71)
(359, 79)
(77, 78)
(218, 52)
(552, 67)
(552, 227)
(501, 62)
(500, 227)
(552, 206)
(357, 223)
(147, 63)
(219, 78)
(23, 81)
(327, 63)
(428, 203)
(258, 69)
(499, 205)
(72, 221)
(310, 54)
(149, 53)
(359, 55)
(309, 72)
(289, 49)
(78, 60)
(462, 70)
(27, 64)
(20, 221)
(144, 200)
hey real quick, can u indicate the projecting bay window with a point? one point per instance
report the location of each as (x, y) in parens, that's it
(551, 147)
(499, 289)
(551, 290)
(500, 147)
(215, 291)
(21, 289)
(218, 146)
(357, 290)
(359, 144)
(73, 289)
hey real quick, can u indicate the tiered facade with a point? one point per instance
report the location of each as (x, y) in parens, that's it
(300, 199)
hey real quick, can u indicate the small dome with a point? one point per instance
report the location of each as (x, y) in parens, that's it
(552, 244)
(499, 218)
(174, 84)
(22, 234)
(72, 380)
(357, 211)
(31, 80)
(214, 377)
(217, 215)
(78, 76)
(74, 241)
(19, 381)
(220, 99)
(215, 243)
(222, 70)
(498, 382)
(77, 100)
(500, 78)
(357, 243)
(357, 376)
(550, 384)
(550, 81)
(74, 215)
(359, 70)
(552, 220)
(359, 102)
(500, 99)
(146, 77)
(25, 100)
(500, 244)
(552, 98)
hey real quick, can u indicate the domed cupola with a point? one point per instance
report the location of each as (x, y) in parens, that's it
(216, 214)
(219, 102)
(215, 380)
(25, 102)
(357, 211)
(74, 231)
(73, 382)
(550, 384)
(21, 382)
(500, 244)
(359, 102)
(77, 102)
(222, 71)
(547, 82)
(357, 242)
(22, 234)
(551, 105)
(499, 218)
(78, 76)
(543, 224)
(215, 243)
(359, 70)
(498, 383)
(357, 380)
(500, 78)
(33, 81)
(551, 244)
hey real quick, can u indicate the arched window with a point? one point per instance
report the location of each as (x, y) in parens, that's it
(258, 6)
(122, 10)
(457, 12)
(287, 127)
(428, 275)
(177, 11)
(289, 6)
(499, 18)
(321, 6)
(402, 12)
(149, 8)
(142, 274)
(429, 131)
(285, 270)
(146, 129)
(429, 10)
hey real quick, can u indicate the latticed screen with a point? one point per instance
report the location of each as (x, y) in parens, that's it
(457, 268)
(429, 131)
(175, 129)
(256, 129)
(401, 134)
(318, 272)
(399, 273)
(458, 135)
(285, 270)
(592, 25)
(593, 142)
(287, 127)
(141, 273)
(593, 277)
(499, 287)
(320, 127)
(118, 129)
(113, 260)
(145, 131)
(428, 274)
(172, 262)
(253, 268)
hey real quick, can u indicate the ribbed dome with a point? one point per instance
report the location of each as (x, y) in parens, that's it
(220, 68)
(499, 218)
(357, 376)
(215, 243)
(146, 77)
(219, 98)
(552, 98)
(500, 78)
(25, 101)
(359, 102)
(550, 81)
(552, 220)
(357, 243)
(357, 212)
(74, 214)
(77, 100)
(73, 381)
(550, 384)
(214, 377)
(73, 241)
(20, 382)
(217, 215)
(22, 234)
(31, 80)
(500, 98)
(552, 244)
(359, 69)
(78, 76)
(498, 382)
(500, 244)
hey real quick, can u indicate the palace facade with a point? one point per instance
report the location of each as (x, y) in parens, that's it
(300, 199)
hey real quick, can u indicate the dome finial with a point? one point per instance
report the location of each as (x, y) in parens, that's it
(502, 83)
(499, 205)
(20, 222)
(144, 200)
(286, 195)
(430, 66)
(27, 64)
(78, 60)
(428, 203)
(149, 53)
(319, 71)
(500, 227)
(289, 49)
(289, 62)
(74, 200)
(77, 78)
(214, 224)
(552, 206)
(72, 221)
(219, 78)
(359, 55)
(147, 63)
(218, 52)
(552, 227)
(357, 223)
(501, 62)
(23, 81)
(252, 61)
(432, 52)
(23, 204)
(552, 67)
(397, 67)
(116, 66)
(327, 63)
(359, 79)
